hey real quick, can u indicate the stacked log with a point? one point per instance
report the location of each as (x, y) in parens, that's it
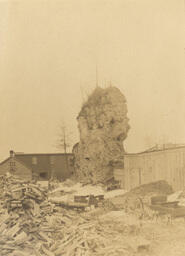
(30, 225)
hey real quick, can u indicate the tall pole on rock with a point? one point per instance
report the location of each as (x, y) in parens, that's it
(96, 75)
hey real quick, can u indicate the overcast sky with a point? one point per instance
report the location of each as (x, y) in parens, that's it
(48, 55)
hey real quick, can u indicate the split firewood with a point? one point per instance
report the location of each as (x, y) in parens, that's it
(47, 252)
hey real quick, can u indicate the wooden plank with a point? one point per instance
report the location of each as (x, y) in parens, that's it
(12, 231)
(47, 252)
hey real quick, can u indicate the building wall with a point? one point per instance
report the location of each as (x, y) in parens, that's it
(16, 168)
(119, 176)
(46, 166)
(63, 166)
(148, 167)
(39, 166)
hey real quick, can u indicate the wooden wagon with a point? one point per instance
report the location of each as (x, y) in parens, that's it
(169, 209)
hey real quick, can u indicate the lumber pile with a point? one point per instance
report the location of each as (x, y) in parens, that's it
(30, 225)
(64, 234)
(22, 196)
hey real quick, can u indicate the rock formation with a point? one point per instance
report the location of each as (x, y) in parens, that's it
(103, 126)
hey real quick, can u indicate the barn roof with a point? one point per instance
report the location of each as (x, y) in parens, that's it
(43, 159)
(158, 149)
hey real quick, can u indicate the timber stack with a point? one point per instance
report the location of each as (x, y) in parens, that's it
(32, 225)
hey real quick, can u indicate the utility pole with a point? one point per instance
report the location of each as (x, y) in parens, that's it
(96, 75)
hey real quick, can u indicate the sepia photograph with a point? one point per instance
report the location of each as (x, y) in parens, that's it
(92, 141)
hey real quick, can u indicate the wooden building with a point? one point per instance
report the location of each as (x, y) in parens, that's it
(153, 165)
(38, 166)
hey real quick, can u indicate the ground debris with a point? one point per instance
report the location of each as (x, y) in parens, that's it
(32, 225)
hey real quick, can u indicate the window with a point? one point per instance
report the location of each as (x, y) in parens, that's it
(43, 175)
(34, 160)
(52, 159)
(12, 166)
(12, 163)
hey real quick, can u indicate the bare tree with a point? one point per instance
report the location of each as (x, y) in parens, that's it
(65, 138)
(64, 142)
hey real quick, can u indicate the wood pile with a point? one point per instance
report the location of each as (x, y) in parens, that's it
(21, 196)
(30, 225)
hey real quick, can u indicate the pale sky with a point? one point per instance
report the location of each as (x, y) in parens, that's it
(48, 55)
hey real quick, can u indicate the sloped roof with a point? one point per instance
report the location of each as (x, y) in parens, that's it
(18, 160)
(43, 159)
(158, 149)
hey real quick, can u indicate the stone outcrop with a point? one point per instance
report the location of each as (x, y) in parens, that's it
(103, 126)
